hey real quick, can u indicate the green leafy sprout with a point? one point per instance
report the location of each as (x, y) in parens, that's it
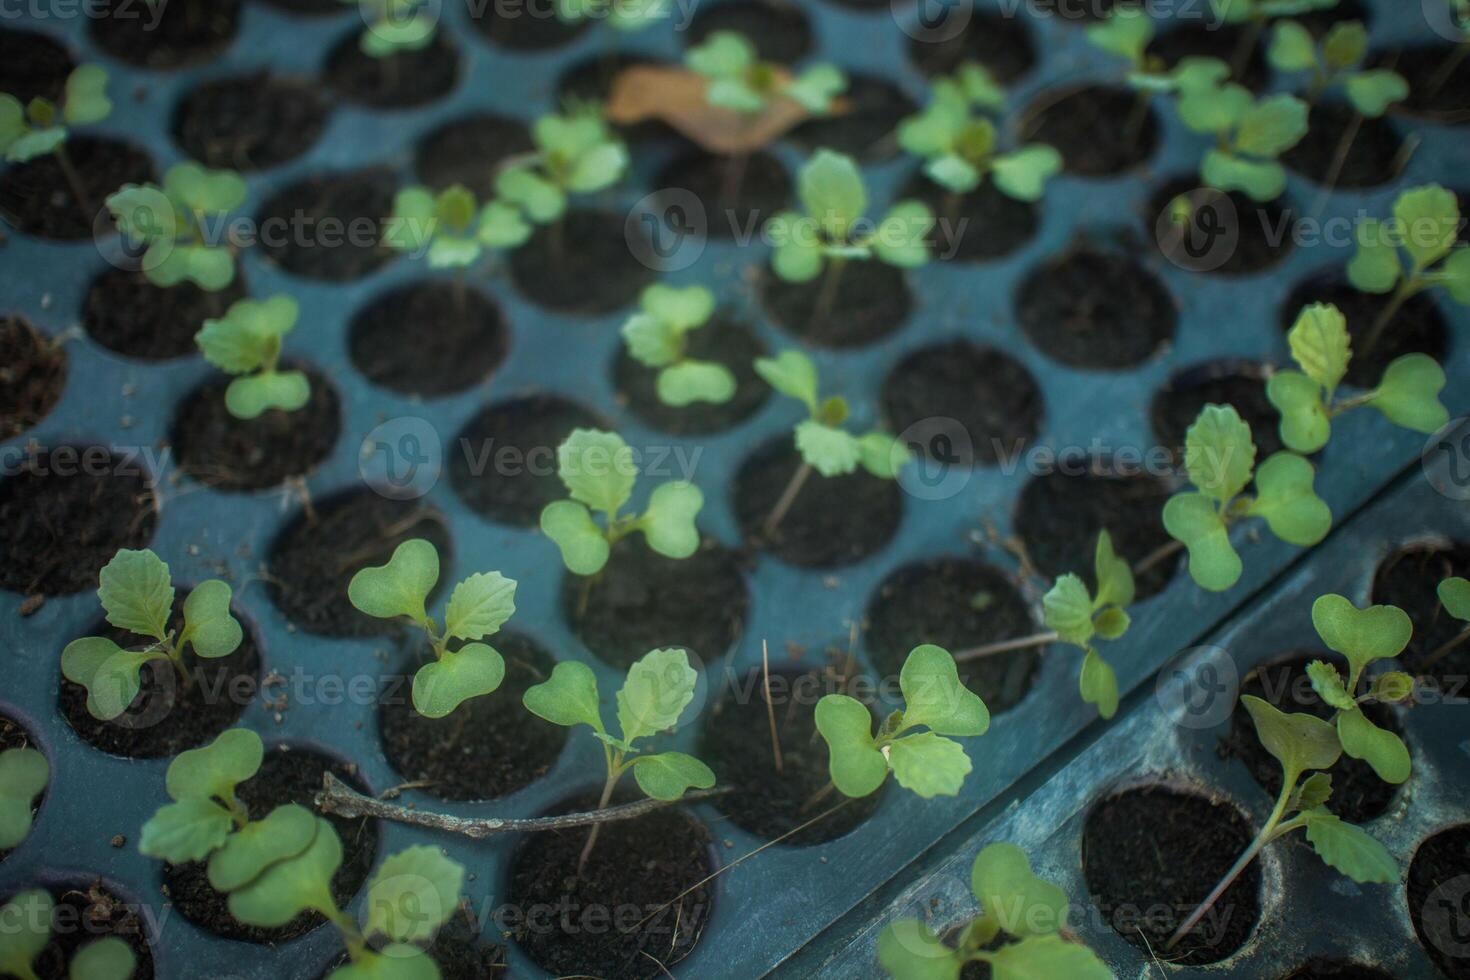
(24, 773)
(740, 81)
(40, 126)
(958, 141)
(394, 26)
(246, 342)
(29, 918)
(1262, 11)
(1408, 394)
(1337, 62)
(657, 336)
(924, 762)
(1219, 458)
(1454, 595)
(623, 15)
(175, 222)
(1015, 904)
(1127, 32)
(599, 471)
(450, 228)
(477, 608)
(1077, 617)
(576, 153)
(138, 596)
(275, 868)
(1250, 134)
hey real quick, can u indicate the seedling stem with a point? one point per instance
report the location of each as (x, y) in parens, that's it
(828, 295)
(771, 709)
(1006, 646)
(788, 497)
(1444, 649)
(73, 179)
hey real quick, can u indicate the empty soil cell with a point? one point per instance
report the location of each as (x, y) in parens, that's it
(1438, 886)
(429, 338)
(37, 198)
(314, 558)
(531, 25)
(1060, 513)
(980, 226)
(1002, 44)
(401, 80)
(1099, 131)
(1409, 579)
(738, 196)
(768, 801)
(228, 453)
(288, 774)
(14, 736)
(1151, 855)
(642, 600)
(1357, 792)
(1416, 327)
(600, 921)
(468, 150)
(1233, 44)
(170, 714)
(64, 513)
(779, 29)
(582, 264)
(128, 314)
(33, 65)
(503, 462)
(250, 122)
(869, 301)
(1096, 310)
(954, 603)
(1239, 384)
(1262, 238)
(1329, 969)
(995, 401)
(165, 35)
(87, 909)
(32, 375)
(720, 341)
(489, 747)
(1374, 152)
(1439, 81)
(864, 128)
(329, 227)
(833, 521)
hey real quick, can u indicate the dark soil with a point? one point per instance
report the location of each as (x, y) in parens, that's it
(988, 392)
(489, 747)
(593, 923)
(733, 210)
(1078, 12)
(1151, 855)
(466, 151)
(167, 717)
(399, 81)
(85, 911)
(1436, 896)
(250, 122)
(591, 79)
(871, 301)
(32, 375)
(1432, 96)
(593, 271)
(1096, 310)
(736, 743)
(503, 462)
(865, 130)
(1418, 326)
(1325, 969)
(1059, 517)
(1089, 127)
(312, 561)
(723, 341)
(1265, 230)
(1319, 22)
(33, 64)
(458, 950)
(1002, 44)
(834, 521)
(429, 338)
(330, 227)
(777, 28)
(1357, 792)
(309, 8)
(641, 601)
(13, 736)
(37, 199)
(226, 453)
(64, 513)
(1240, 384)
(955, 603)
(287, 775)
(980, 226)
(126, 313)
(528, 26)
(1409, 579)
(1373, 158)
(1207, 39)
(169, 35)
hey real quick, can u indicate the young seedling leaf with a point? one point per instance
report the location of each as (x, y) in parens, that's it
(934, 695)
(251, 397)
(695, 381)
(1361, 635)
(1350, 849)
(28, 931)
(108, 958)
(797, 253)
(1327, 682)
(659, 687)
(189, 830)
(1305, 425)
(568, 697)
(213, 771)
(1272, 126)
(1218, 453)
(1454, 594)
(295, 885)
(597, 468)
(1373, 92)
(1314, 791)
(855, 764)
(1046, 956)
(479, 606)
(542, 201)
(1067, 609)
(456, 676)
(1300, 742)
(1428, 219)
(23, 775)
(831, 190)
(1345, 45)
(1098, 684)
(909, 950)
(792, 374)
(928, 765)
(1320, 345)
(669, 775)
(1292, 47)
(1115, 585)
(1285, 498)
(682, 309)
(284, 833)
(248, 337)
(1375, 266)
(1126, 33)
(901, 238)
(1408, 395)
(1392, 687)
(401, 587)
(668, 523)
(882, 455)
(1383, 750)
(86, 96)
(137, 593)
(395, 961)
(827, 449)
(1008, 891)
(1260, 180)
(107, 671)
(208, 624)
(584, 548)
(413, 893)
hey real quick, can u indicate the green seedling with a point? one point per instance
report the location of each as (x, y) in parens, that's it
(1250, 134)
(623, 15)
(957, 140)
(825, 446)
(1412, 252)
(1303, 743)
(1454, 595)
(24, 773)
(834, 230)
(246, 342)
(655, 693)
(1257, 15)
(740, 81)
(394, 26)
(1027, 911)
(40, 126)
(177, 222)
(1337, 62)
(1077, 617)
(138, 596)
(1307, 399)
(926, 763)
(28, 919)
(598, 470)
(477, 608)
(658, 337)
(1219, 458)
(450, 228)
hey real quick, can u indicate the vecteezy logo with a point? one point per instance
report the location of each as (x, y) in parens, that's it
(1450, 19)
(932, 21)
(1446, 459)
(1445, 917)
(1199, 689)
(402, 458)
(666, 230)
(1198, 230)
(943, 458)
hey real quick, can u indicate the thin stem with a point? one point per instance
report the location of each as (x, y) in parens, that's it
(74, 179)
(828, 295)
(1447, 68)
(1245, 46)
(614, 772)
(556, 239)
(771, 710)
(734, 177)
(1407, 288)
(1138, 116)
(788, 497)
(1006, 646)
(1160, 554)
(1443, 650)
(1339, 160)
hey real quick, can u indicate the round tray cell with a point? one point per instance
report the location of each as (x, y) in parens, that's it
(33, 377)
(738, 194)
(37, 198)
(1439, 81)
(1228, 234)
(581, 264)
(1416, 327)
(329, 227)
(980, 226)
(33, 65)
(1374, 155)
(165, 35)
(529, 26)
(1439, 882)
(1330, 969)
(863, 303)
(402, 80)
(128, 314)
(1409, 578)
(778, 29)
(865, 129)
(14, 736)
(1239, 384)
(468, 150)
(1238, 46)
(93, 909)
(429, 338)
(1319, 22)
(250, 122)
(1002, 44)
(722, 341)
(1099, 131)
